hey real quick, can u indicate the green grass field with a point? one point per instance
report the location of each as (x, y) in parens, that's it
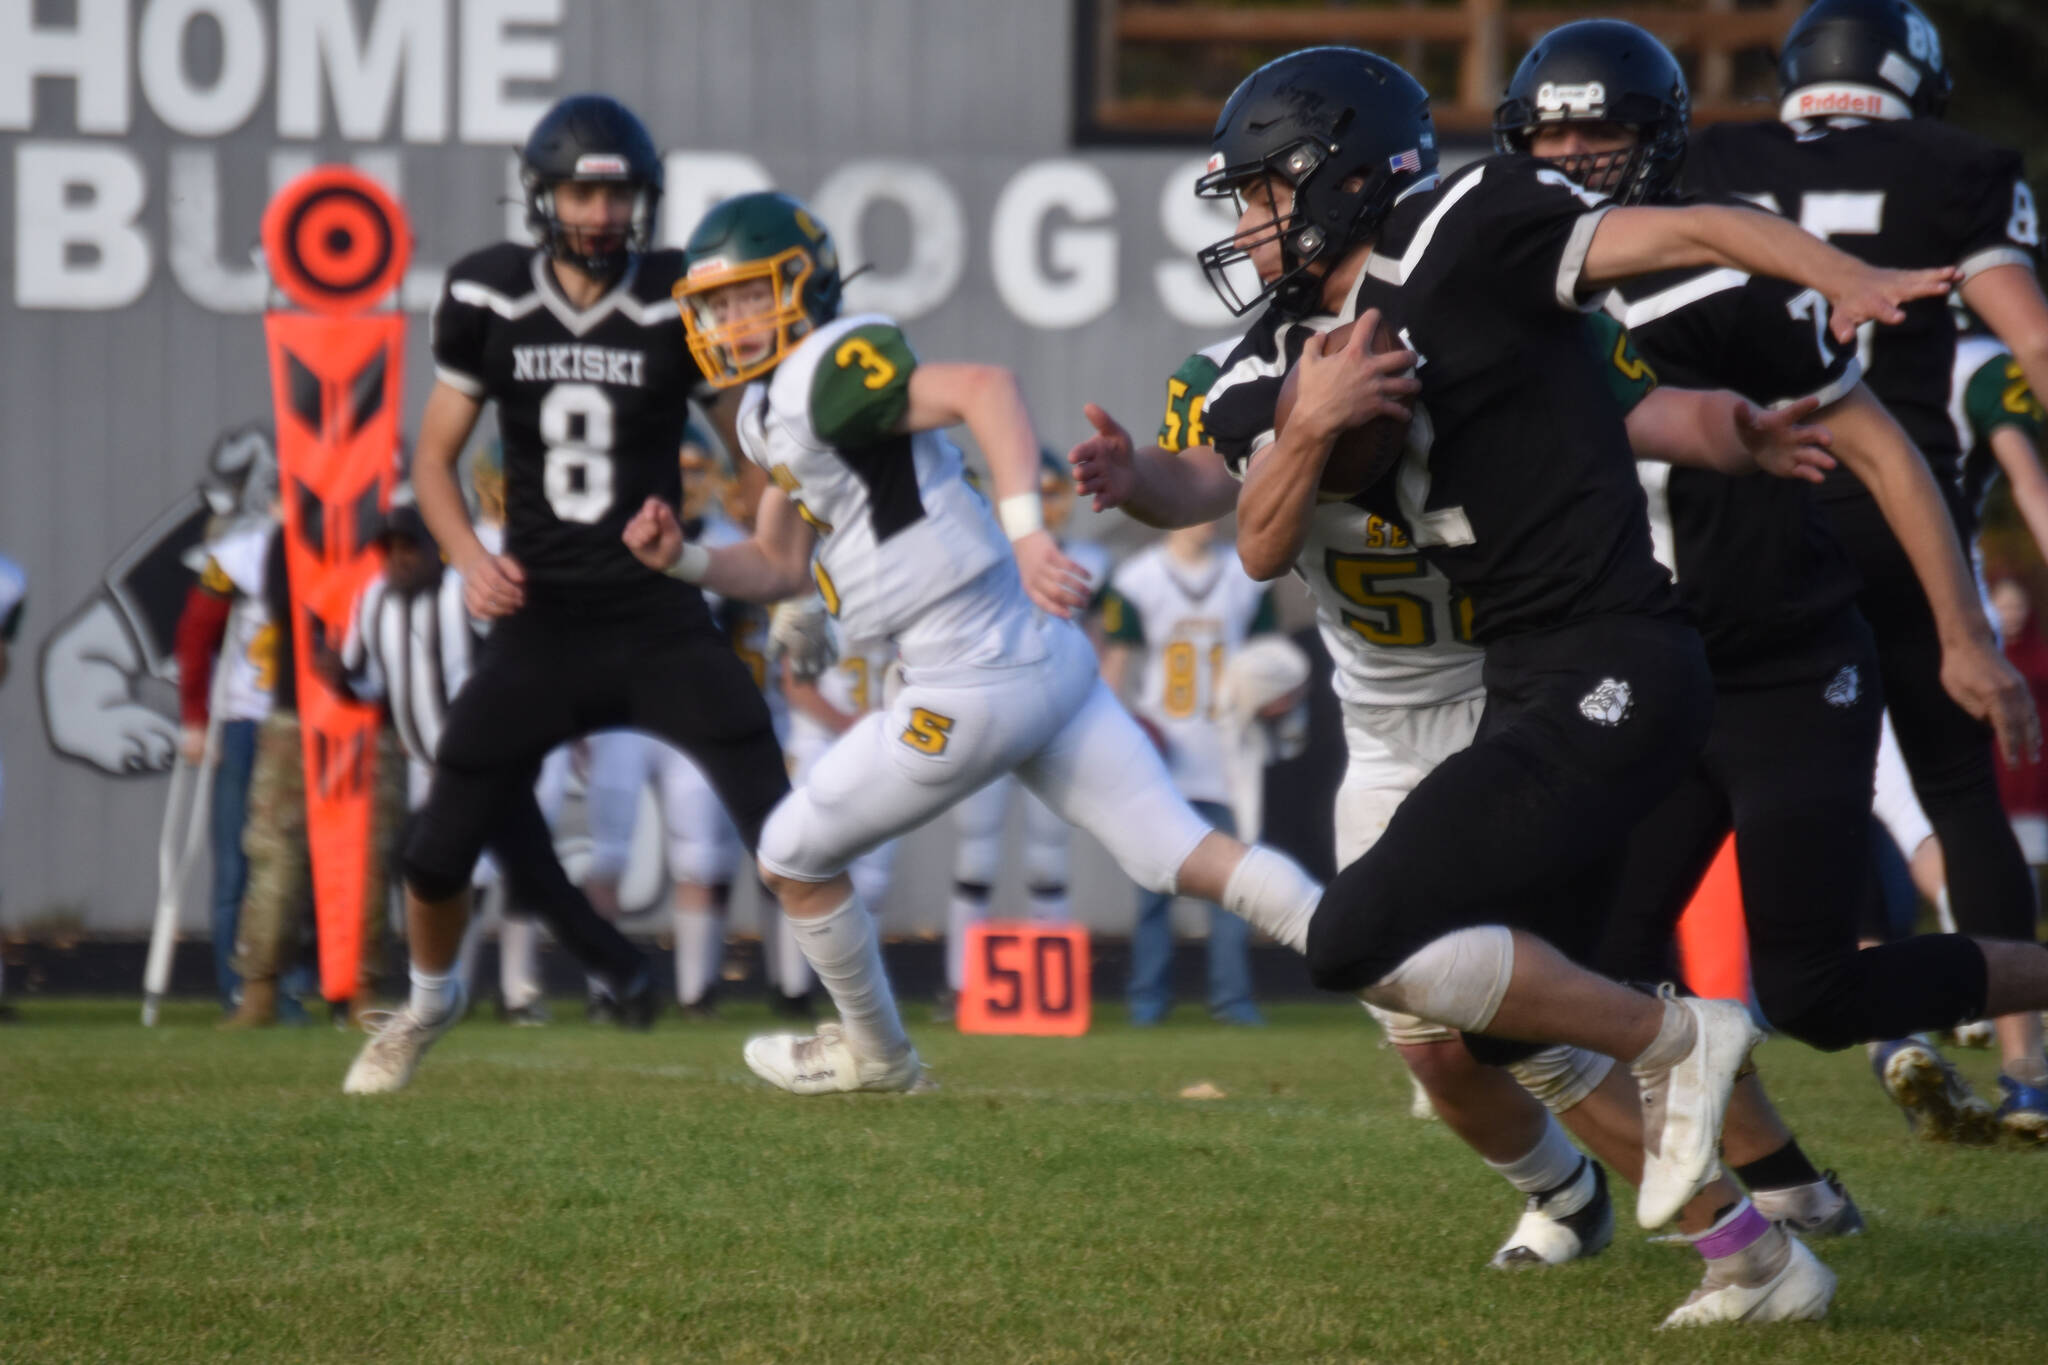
(582, 1194)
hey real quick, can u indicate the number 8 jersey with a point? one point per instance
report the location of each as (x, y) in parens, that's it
(591, 407)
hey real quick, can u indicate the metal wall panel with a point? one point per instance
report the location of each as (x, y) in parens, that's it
(110, 411)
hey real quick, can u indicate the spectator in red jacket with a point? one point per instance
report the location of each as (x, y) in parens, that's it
(225, 619)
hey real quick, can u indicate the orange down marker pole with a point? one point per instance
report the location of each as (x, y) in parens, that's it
(1713, 938)
(336, 244)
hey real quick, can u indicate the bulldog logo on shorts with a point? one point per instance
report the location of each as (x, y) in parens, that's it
(1844, 688)
(1608, 704)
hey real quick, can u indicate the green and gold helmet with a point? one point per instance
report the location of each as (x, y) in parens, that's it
(766, 238)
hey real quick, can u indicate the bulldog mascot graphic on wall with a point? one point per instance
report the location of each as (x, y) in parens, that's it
(108, 670)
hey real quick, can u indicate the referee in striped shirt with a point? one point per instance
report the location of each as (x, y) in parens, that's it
(410, 645)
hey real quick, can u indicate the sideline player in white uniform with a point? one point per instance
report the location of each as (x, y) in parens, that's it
(978, 820)
(823, 708)
(1187, 607)
(848, 426)
(701, 846)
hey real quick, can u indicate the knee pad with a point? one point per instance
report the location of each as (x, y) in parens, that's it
(1045, 866)
(1457, 980)
(612, 813)
(1560, 1077)
(979, 857)
(428, 874)
(1405, 1030)
(784, 851)
(697, 860)
(1046, 840)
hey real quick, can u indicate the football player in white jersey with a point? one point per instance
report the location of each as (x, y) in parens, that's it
(848, 425)
(978, 821)
(1185, 607)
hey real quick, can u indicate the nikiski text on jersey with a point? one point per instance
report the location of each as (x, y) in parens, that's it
(569, 361)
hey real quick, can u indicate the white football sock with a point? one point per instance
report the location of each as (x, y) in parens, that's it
(792, 971)
(844, 949)
(518, 962)
(1547, 1166)
(434, 994)
(700, 946)
(1742, 1247)
(962, 914)
(1268, 890)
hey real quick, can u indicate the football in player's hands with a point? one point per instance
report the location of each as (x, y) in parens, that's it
(1361, 456)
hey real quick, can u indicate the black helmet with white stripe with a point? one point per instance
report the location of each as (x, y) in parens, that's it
(590, 138)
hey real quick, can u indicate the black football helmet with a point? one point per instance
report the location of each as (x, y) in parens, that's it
(1866, 58)
(1349, 130)
(590, 137)
(1602, 71)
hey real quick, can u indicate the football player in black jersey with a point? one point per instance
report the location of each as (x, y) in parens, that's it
(580, 346)
(1519, 486)
(1788, 764)
(1862, 158)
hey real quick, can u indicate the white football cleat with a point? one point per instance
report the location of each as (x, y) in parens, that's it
(825, 1063)
(397, 1041)
(1542, 1238)
(1980, 1033)
(1684, 1106)
(1801, 1292)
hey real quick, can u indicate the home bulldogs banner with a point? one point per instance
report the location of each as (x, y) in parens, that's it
(336, 244)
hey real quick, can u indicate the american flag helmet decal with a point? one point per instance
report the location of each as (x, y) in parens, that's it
(1410, 160)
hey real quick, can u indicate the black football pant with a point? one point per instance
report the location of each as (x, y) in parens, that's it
(543, 678)
(1587, 728)
(1788, 768)
(536, 887)
(1948, 752)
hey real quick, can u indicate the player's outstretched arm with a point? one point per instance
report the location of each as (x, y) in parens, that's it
(1156, 486)
(2009, 301)
(492, 585)
(1642, 240)
(989, 401)
(2020, 461)
(771, 564)
(1721, 431)
(1878, 451)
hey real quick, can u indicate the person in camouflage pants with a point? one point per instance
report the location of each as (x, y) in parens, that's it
(274, 839)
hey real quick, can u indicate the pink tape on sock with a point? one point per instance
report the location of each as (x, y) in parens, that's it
(1734, 1233)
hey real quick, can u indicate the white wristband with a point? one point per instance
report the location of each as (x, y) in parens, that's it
(692, 564)
(1021, 514)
